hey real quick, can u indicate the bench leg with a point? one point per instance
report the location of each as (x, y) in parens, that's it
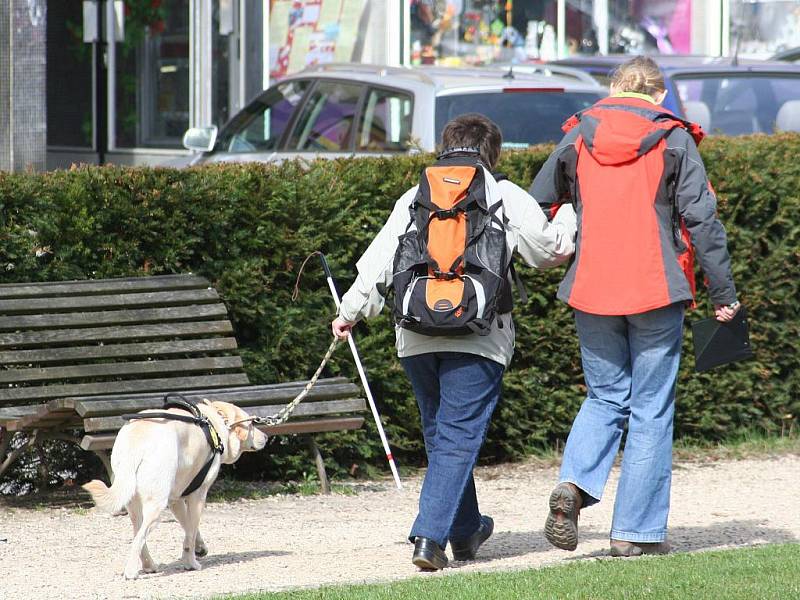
(42, 468)
(105, 458)
(324, 484)
(15, 454)
(5, 440)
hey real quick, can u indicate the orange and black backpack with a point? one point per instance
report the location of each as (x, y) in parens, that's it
(451, 268)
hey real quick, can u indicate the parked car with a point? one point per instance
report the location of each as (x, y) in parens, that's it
(722, 95)
(344, 110)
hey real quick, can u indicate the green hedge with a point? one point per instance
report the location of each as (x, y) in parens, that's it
(248, 227)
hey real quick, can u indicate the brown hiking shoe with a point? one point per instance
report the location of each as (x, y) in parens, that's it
(621, 548)
(561, 526)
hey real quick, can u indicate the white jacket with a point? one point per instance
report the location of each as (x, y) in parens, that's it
(538, 242)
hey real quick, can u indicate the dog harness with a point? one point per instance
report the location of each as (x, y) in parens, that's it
(174, 400)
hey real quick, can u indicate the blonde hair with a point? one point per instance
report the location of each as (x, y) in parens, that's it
(640, 74)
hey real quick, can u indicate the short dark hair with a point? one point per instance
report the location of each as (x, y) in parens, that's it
(474, 130)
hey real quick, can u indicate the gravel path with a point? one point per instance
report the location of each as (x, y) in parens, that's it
(292, 541)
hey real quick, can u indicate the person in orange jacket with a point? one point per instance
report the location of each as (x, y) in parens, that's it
(644, 204)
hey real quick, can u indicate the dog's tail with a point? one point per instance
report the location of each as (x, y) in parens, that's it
(113, 499)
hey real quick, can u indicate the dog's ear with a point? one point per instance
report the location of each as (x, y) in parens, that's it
(225, 410)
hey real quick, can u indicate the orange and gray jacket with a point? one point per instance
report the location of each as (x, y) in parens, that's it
(639, 187)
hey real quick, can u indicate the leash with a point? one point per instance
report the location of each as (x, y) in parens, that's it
(283, 415)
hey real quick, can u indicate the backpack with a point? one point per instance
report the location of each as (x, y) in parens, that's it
(451, 267)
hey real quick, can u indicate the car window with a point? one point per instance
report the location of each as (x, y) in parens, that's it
(259, 126)
(742, 104)
(525, 117)
(385, 122)
(327, 118)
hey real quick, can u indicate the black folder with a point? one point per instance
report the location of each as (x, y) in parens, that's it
(717, 343)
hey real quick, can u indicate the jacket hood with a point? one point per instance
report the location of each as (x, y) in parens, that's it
(618, 130)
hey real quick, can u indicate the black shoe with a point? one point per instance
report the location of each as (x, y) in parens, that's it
(467, 549)
(428, 555)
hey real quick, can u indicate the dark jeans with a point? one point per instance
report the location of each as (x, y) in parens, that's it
(457, 394)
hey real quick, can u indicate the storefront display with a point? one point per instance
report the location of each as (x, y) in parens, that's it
(309, 32)
(760, 29)
(475, 32)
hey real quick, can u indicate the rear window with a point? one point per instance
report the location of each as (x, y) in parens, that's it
(525, 118)
(741, 104)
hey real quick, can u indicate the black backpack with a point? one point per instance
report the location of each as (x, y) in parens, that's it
(451, 268)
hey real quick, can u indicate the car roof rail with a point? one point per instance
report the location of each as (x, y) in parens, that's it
(379, 70)
(548, 70)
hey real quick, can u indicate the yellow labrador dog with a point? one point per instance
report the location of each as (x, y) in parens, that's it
(155, 460)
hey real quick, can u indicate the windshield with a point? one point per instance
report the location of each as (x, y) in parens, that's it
(525, 118)
(742, 104)
(258, 127)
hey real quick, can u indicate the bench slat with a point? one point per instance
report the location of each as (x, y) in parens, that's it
(195, 312)
(105, 441)
(145, 367)
(112, 334)
(145, 349)
(310, 409)
(100, 286)
(245, 397)
(39, 304)
(19, 395)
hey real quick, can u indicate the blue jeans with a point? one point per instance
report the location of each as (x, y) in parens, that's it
(630, 364)
(457, 394)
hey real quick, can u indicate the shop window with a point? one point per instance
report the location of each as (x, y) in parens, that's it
(326, 123)
(260, 126)
(69, 78)
(152, 75)
(761, 29)
(385, 122)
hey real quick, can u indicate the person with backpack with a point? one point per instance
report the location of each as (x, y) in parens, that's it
(645, 208)
(446, 250)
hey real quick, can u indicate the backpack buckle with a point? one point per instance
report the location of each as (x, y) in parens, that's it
(445, 275)
(446, 214)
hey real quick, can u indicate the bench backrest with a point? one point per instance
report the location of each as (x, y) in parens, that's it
(108, 336)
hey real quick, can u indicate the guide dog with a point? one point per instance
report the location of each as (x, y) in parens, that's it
(155, 459)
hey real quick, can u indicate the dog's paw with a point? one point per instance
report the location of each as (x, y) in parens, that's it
(192, 565)
(200, 550)
(151, 568)
(131, 574)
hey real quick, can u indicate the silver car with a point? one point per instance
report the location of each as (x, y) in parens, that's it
(331, 111)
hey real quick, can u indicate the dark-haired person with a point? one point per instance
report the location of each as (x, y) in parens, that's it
(632, 170)
(456, 379)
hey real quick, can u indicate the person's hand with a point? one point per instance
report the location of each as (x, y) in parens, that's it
(341, 328)
(726, 312)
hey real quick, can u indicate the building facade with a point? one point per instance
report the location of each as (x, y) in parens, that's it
(125, 79)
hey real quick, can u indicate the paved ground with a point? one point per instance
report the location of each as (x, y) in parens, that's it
(290, 541)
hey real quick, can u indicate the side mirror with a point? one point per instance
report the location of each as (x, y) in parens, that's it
(200, 139)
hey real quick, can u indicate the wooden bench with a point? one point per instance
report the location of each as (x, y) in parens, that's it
(76, 355)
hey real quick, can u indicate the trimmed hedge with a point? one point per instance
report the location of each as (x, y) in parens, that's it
(247, 228)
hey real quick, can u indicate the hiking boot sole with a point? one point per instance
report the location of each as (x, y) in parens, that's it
(561, 527)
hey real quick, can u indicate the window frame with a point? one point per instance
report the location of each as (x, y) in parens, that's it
(289, 123)
(301, 107)
(390, 89)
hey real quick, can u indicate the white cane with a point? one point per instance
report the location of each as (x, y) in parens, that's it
(363, 377)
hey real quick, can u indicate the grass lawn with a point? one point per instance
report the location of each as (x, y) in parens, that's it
(766, 572)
